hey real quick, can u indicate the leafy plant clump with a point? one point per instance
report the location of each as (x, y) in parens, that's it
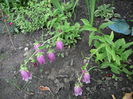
(106, 11)
(112, 54)
(107, 52)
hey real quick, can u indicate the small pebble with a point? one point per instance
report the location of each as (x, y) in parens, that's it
(26, 49)
(20, 48)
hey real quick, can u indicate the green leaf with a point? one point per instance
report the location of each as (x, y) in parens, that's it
(84, 66)
(90, 4)
(131, 66)
(86, 22)
(127, 45)
(91, 37)
(100, 56)
(108, 39)
(41, 47)
(96, 43)
(104, 25)
(110, 52)
(118, 59)
(105, 65)
(57, 5)
(115, 69)
(126, 54)
(88, 28)
(125, 70)
(93, 51)
(119, 43)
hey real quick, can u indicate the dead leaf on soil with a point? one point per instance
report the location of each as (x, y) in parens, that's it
(113, 96)
(44, 88)
(128, 96)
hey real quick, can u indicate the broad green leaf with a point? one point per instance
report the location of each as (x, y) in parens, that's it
(126, 54)
(91, 37)
(131, 66)
(125, 70)
(100, 56)
(127, 45)
(93, 51)
(105, 65)
(57, 5)
(119, 43)
(118, 59)
(111, 52)
(100, 38)
(115, 69)
(96, 43)
(104, 25)
(86, 22)
(41, 47)
(88, 28)
(109, 40)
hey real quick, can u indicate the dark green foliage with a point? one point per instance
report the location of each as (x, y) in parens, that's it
(90, 5)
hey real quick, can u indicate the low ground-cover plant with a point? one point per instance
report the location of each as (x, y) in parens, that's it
(36, 15)
(13, 3)
(32, 17)
(106, 11)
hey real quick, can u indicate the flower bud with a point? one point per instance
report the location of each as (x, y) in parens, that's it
(41, 59)
(10, 23)
(86, 77)
(51, 56)
(59, 45)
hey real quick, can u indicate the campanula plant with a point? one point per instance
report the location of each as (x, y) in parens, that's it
(84, 77)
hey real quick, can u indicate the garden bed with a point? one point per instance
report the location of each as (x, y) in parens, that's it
(60, 76)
